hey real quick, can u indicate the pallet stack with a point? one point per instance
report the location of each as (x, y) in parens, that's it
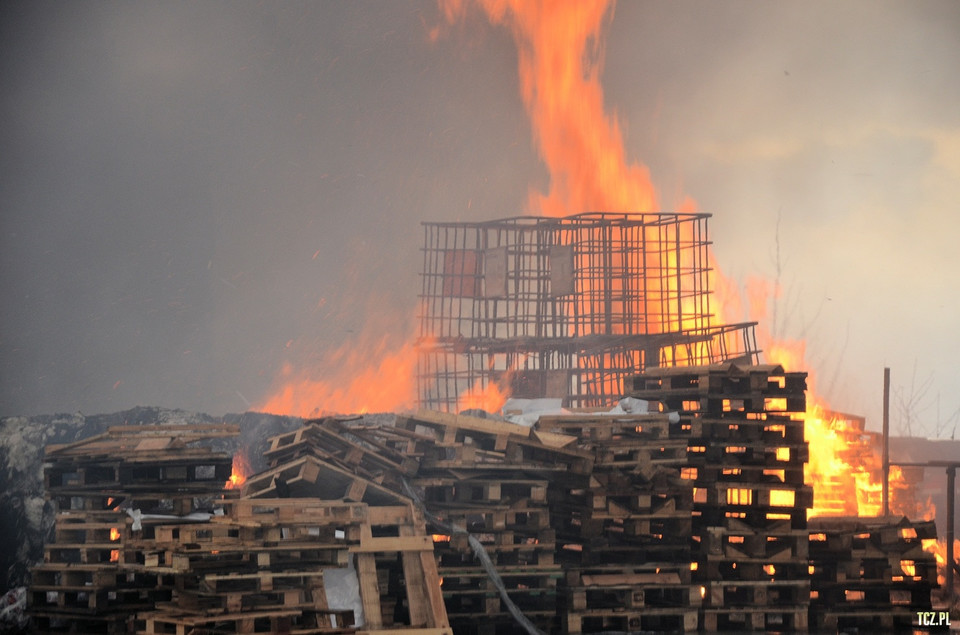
(271, 565)
(490, 478)
(260, 570)
(624, 529)
(101, 488)
(693, 516)
(745, 454)
(870, 574)
(333, 465)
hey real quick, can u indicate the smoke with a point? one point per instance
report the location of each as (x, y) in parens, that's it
(193, 195)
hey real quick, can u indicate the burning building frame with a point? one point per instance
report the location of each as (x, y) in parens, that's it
(566, 307)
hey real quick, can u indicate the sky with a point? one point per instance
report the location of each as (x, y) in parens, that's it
(193, 195)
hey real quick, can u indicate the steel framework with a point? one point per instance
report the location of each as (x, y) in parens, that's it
(566, 307)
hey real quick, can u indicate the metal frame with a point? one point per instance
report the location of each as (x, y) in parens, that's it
(566, 307)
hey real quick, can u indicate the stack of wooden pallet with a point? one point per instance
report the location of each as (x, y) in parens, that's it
(624, 529)
(270, 567)
(870, 574)
(318, 522)
(100, 487)
(691, 517)
(490, 478)
(745, 454)
(325, 460)
(260, 570)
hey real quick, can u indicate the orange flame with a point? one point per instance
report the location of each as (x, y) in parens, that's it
(363, 375)
(114, 534)
(489, 398)
(938, 548)
(560, 59)
(240, 471)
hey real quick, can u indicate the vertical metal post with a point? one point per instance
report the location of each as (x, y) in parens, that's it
(886, 442)
(951, 512)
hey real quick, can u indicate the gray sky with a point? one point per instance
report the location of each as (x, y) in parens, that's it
(193, 194)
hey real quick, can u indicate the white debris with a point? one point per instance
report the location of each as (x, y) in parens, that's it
(527, 412)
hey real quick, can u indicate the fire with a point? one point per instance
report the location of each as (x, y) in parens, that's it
(938, 547)
(489, 398)
(845, 474)
(365, 374)
(114, 536)
(240, 471)
(560, 59)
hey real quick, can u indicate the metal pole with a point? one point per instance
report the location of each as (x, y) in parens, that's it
(951, 497)
(886, 442)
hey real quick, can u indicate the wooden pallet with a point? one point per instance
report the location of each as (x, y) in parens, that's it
(593, 430)
(889, 619)
(754, 619)
(291, 620)
(774, 592)
(672, 620)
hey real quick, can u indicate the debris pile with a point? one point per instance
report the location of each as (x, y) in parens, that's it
(693, 516)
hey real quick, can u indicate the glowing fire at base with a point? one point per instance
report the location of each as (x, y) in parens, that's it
(490, 399)
(241, 470)
(939, 549)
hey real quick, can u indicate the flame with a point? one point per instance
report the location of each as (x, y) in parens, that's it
(844, 474)
(114, 534)
(560, 59)
(489, 398)
(240, 471)
(365, 374)
(938, 547)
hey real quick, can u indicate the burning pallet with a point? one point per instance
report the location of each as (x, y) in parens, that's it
(745, 457)
(690, 517)
(870, 574)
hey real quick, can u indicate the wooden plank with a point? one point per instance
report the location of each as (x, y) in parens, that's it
(392, 543)
(476, 424)
(369, 589)
(553, 439)
(418, 602)
(407, 631)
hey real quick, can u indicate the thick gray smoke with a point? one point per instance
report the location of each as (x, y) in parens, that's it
(193, 194)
